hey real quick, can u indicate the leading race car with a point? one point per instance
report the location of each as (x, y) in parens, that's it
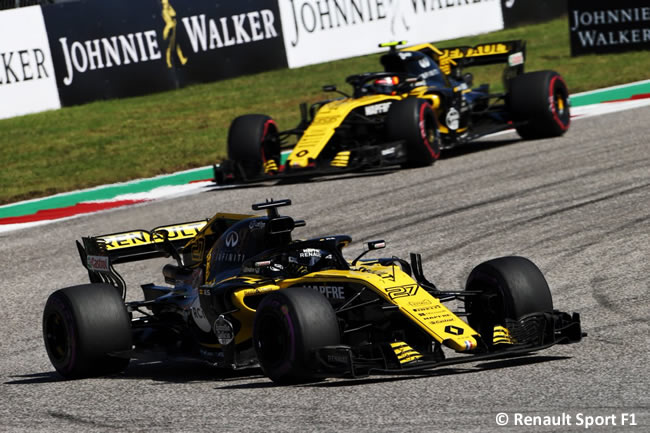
(242, 293)
(420, 104)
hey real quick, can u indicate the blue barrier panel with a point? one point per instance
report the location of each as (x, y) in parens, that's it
(104, 50)
(520, 12)
(603, 26)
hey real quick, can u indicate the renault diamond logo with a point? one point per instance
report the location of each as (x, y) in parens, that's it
(453, 330)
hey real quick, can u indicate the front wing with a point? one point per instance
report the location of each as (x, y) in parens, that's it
(366, 157)
(534, 333)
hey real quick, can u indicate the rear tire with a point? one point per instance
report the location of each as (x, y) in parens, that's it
(289, 325)
(252, 141)
(541, 100)
(414, 121)
(512, 287)
(81, 326)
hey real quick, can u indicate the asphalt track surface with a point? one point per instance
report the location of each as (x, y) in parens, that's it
(576, 205)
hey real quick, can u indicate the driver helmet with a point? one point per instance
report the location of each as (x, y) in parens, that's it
(384, 85)
(410, 62)
(306, 260)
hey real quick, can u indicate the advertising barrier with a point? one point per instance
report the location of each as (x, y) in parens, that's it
(603, 26)
(226, 39)
(27, 83)
(118, 49)
(107, 50)
(519, 12)
(317, 31)
(72, 52)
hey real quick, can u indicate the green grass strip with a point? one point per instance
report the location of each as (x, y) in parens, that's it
(105, 142)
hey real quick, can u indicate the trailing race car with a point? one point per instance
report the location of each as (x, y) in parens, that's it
(421, 103)
(244, 294)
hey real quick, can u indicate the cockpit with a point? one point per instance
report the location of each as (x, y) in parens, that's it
(264, 246)
(414, 63)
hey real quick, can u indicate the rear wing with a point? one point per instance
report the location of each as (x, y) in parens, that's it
(142, 244)
(512, 53)
(100, 253)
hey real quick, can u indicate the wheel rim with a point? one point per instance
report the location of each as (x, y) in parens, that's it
(430, 131)
(561, 105)
(560, 108)
(56, 337)
(272, 344)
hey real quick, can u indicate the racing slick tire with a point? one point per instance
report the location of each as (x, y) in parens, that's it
(290, 324)
(539, 103)
(511, 288)
(81, 326)
(413, 121)
(252, 142)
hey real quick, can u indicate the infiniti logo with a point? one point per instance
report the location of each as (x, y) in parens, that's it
(232, 239)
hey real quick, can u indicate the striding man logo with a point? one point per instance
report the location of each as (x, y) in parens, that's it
(169, 32)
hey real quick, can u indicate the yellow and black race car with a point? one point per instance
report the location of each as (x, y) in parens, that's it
(423, 102)
(244, 294)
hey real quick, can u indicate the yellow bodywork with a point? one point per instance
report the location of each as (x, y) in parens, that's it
(137, 238)
(447, 57)
(389, 282)
(392, 284)
(197, 244)
(324, 125)
(501, 335)
(194, 232)
(404, 352)
(245, 314)
(331, 115)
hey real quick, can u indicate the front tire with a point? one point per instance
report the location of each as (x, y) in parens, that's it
(511, 288)
(81, 326)
(252, 143)
(539, 104)
(413, 121)
(289, 325)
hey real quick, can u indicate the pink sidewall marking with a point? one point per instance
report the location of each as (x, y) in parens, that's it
(423, 132)
(556, 117)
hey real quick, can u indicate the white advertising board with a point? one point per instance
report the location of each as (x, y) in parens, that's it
(318, 31)
(27, 81)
